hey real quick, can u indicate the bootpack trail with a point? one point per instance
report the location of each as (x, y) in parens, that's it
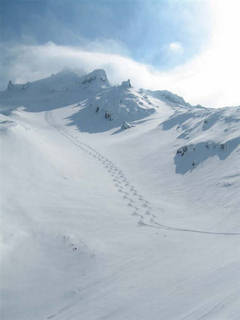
(137, 203)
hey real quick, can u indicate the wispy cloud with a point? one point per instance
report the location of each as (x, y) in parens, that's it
(176, 47)
(211, 78)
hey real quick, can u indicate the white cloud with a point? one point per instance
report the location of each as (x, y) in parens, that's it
(212, 78)
(176, 47)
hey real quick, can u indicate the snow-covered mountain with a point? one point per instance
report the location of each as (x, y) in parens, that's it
(55, 91)
(117, 203)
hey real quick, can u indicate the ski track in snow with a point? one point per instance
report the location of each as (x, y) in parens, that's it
(141, 208)
(208, 310)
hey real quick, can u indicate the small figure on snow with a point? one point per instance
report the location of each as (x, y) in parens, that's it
(10, 85)
(108, 115)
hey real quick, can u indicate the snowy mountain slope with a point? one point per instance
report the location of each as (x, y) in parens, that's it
(58, 90)
(168, 97)
(208, 133)
(117, 104)
(106, 223)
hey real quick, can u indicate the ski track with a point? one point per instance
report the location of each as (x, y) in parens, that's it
(141, 208)
(209, 310)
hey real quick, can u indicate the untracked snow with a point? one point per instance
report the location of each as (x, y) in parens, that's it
(117, 203)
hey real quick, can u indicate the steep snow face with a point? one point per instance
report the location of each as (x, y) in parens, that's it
(205, 133)
(110, 108)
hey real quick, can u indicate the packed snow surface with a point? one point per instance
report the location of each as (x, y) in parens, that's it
(117, 203)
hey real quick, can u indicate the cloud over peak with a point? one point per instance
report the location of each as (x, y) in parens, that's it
(211, 78)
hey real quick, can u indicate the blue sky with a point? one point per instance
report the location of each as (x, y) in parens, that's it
(189, 47)
(143, 29)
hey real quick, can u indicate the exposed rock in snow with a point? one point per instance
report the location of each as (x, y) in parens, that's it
(201, 151)
(113, 103)
(209, 132)
(126, 125)
(98, 76)
(126, 84)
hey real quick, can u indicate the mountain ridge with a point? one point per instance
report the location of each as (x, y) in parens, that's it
(70, 87)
